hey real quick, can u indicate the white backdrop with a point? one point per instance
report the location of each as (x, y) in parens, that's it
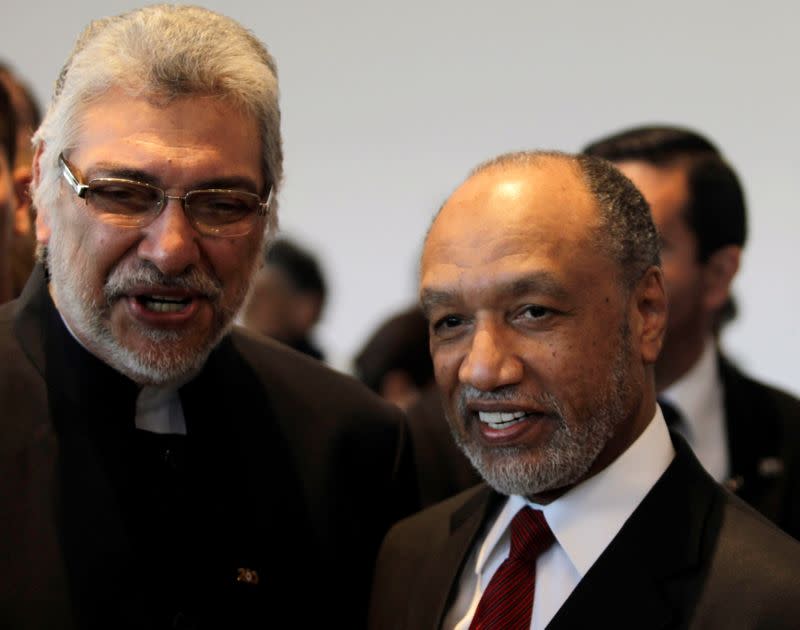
(387, 105)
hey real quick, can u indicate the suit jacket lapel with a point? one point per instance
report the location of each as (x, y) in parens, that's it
(755, 438)
(654, 566)
(438, 578)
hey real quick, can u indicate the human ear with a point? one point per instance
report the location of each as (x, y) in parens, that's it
(43, 229)
(23, 221)
(649, 304)
(718, 274)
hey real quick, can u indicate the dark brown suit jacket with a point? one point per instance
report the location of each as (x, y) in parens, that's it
(690, 556)
(298, 473)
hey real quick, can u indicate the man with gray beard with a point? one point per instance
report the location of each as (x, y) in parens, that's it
(541, 279)
(159, 469)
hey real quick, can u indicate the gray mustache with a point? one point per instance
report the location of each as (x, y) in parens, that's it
(122, 281)
(468, 394)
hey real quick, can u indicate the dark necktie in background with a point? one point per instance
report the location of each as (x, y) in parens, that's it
(507, 603)
(672, 416)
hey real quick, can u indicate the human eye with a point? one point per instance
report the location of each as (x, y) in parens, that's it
(120, 197)
(221, 207)
(533, 314)
(535, 311)
(447, 325)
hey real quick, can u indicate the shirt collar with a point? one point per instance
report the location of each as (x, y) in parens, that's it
(158, 410)
(585, 520)
(697, 393)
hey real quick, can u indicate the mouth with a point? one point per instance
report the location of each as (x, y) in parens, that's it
(163, 303)
(499, 420)
(509, 424)
(164, 307)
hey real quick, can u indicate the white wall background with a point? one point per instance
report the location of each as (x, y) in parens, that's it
(388, 105)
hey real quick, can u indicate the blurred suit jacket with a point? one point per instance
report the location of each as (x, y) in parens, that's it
(763, 425)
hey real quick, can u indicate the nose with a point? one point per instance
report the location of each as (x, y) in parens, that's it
(491, 362)
(170, 242)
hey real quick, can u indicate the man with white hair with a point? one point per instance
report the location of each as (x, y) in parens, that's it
(160, 469)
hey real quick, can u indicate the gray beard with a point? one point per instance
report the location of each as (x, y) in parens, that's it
(166, 358)
(568, 454)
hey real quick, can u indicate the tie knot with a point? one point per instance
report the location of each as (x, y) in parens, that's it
(530, 534)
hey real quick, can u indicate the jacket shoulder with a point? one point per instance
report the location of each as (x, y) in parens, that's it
(411, 540)
(416, 554)
(289, 376)
(753, 578)
(741, 390)
(23, 395)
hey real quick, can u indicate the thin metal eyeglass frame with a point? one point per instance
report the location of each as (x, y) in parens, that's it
(81, 189)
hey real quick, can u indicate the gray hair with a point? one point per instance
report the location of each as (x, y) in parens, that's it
(626, 232)
(163, 52)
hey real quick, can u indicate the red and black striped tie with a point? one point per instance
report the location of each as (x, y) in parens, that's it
(507, 602)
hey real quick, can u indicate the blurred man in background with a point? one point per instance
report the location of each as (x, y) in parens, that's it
(287, 297)
(745, 433)
(395, 362)
(8, 195)
(28, 117)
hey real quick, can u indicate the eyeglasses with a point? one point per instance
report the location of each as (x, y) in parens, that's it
(130, 204)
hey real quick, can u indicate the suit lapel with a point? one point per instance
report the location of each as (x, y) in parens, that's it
(438, 578)
(754, 442)
(653, 568)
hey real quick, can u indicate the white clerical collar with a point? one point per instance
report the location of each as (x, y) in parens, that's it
(159, 410)
(587, 518)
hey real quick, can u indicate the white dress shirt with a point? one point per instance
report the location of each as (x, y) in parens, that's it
(698, 396)
(584, 521)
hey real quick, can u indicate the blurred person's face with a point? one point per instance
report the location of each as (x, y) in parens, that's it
(268, 310)
(25, 120)
(16, 236)
(153, 301)
(7, 209)
(690, 308)
(539, 352)
(7, 196)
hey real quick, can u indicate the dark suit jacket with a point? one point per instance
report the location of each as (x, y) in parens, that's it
(442, 469)
(297, 472)
(763, 425)
(690, 556)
